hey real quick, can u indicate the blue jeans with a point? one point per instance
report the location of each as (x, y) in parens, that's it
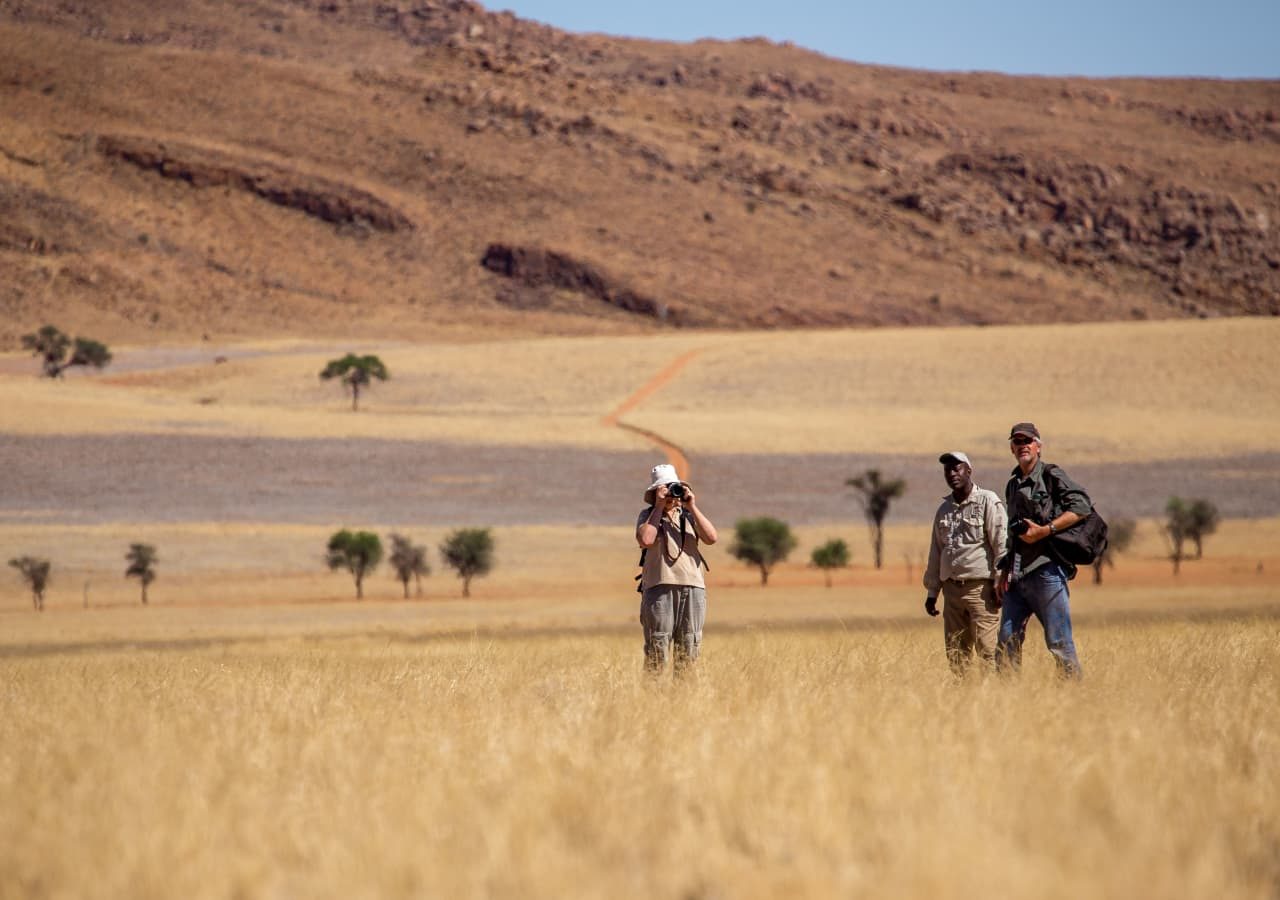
(1042, 593)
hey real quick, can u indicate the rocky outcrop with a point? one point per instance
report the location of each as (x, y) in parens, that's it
(1228, 124)
(784, 86)
(321, 198)
(535, 267)
(1203, 245)
(509, 113)
(34, 222)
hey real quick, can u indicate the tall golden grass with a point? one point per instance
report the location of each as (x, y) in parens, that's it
(795, 763)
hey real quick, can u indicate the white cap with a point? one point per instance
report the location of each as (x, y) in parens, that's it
(955, 455)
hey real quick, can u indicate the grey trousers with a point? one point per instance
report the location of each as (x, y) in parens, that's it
(672, 613)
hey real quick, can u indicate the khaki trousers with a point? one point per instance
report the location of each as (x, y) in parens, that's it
(970, 621)
(672, 614)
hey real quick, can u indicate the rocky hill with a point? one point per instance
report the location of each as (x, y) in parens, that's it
(341, 167)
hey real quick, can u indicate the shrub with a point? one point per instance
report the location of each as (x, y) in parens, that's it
(762, 542)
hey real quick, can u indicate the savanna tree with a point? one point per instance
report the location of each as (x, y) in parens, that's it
(1177, 528)
(834, 554)
(1120, 534)
(469, 552)
(35, 572)
(59, 352)
(142, 561)
(878, 494)
(1203, 521)
(410, 562)
(355, 373)
(762, 542)
(359, 552)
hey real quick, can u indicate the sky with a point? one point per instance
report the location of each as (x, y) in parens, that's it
(1223, 39)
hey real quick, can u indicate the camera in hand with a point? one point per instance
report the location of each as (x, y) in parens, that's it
(678, 489)
(1018, 528)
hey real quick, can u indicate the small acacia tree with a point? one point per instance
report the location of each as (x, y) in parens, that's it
(469, 552)
(359, 552)
(1120, 534)
(762, 542)
(1177, 529)
(35, 572)
(52, 346)
(877, 495)
(142, 561)
(1188, 520)
(355, 372)
(834, 554)
(1202, 519)
(410, 562)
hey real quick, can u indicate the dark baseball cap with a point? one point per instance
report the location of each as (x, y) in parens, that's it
(1026, 428)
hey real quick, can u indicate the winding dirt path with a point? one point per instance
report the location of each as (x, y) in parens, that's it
(661, 379)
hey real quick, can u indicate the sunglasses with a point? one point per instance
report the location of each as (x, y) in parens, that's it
(1021, 441)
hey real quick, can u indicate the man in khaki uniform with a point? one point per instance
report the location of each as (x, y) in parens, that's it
(673, 605)
(969, 533)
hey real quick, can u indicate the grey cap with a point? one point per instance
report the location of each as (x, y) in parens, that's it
(955, 456)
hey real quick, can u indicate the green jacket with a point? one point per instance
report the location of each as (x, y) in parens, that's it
(1041, 496)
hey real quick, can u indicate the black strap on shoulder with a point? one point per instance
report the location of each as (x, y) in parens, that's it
(1053, 473)
(684, 519)
(644, 551)
(684, 528)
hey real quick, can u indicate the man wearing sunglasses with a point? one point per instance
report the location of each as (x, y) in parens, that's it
(1042, 500)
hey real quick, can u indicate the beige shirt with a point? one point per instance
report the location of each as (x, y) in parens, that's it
(968, 539)
(664, 563)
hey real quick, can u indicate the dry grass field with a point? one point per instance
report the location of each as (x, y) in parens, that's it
(1124, 392)
(1098, 392)
(796, 763)
(257, 732)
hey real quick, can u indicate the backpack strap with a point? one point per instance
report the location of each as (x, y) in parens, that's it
(684, 519)
(1051, 474)
(644, 551)
(684, 529)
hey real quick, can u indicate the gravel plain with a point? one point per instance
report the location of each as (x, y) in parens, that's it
(168, 478)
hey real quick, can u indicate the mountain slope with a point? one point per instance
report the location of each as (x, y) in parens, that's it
(344, 168)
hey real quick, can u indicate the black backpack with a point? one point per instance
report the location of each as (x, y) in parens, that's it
(1083, 542)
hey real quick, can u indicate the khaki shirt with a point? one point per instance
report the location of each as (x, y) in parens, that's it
(664, 563)
(968, 539)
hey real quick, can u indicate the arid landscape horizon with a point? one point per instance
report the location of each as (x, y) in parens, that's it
(276, 735)
(578, 256)
(525, 436)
